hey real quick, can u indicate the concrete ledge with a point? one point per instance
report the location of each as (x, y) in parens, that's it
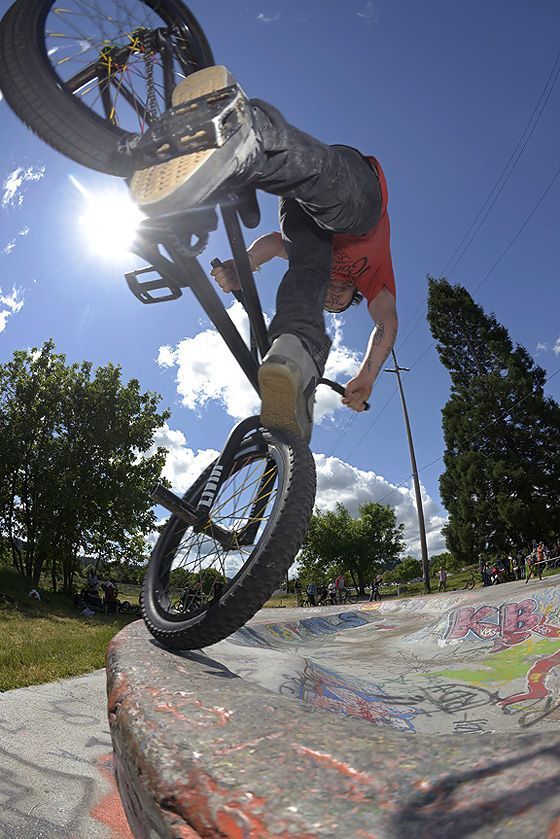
(203, 753)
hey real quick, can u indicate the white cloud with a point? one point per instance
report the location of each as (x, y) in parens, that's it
(544, 346)
(10, 304)
(268, 18)
(183, 465)
(206, 371)
(12, 243)
(12, 192)
(338, 481)
(368, 13)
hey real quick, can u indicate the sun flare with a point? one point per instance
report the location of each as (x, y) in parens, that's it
(108, 220)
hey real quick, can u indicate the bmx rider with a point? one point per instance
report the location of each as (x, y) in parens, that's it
(334, 233)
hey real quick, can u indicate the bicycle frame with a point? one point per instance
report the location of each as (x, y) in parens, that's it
(184, 238)
(181, 269)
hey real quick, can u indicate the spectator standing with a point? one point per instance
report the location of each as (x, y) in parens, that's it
(298, 593)
(340, 585)
(487, 575)
(541, 559)
(312, 593)
(521, 563)
(442, 578)
(515, 567)
(110, 595)
(481, 564)
(374, 593)
(332, 592)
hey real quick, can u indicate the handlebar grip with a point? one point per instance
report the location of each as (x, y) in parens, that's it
(216, 263)
(339, 389)
(237, 293)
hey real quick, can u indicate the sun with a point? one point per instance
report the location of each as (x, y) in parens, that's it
(108, 220)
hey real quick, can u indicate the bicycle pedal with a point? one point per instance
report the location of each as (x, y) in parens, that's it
(200, 124)
(144, 289)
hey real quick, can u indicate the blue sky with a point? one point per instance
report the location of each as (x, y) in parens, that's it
(440, 92)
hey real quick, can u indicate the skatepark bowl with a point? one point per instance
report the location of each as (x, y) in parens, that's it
(429, 717)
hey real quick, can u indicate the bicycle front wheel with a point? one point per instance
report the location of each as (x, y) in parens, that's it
(238, 557)
(351, 597)
(84, 75)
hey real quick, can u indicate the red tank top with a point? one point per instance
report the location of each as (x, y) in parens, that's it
(366, 260)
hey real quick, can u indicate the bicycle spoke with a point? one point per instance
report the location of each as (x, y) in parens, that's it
(242, 505)
(86, 34)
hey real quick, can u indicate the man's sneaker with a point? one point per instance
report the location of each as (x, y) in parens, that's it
(287, 379)
(187, 180)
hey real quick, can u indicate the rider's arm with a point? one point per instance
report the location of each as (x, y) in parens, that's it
(383, 312)
(262, 250)
(266, 248)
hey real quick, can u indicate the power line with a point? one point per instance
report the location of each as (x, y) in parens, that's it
(516, 153)
(474, 228)
(504, 252)
(492, 198)
(364, 435)
(433, 343)
(472, 437)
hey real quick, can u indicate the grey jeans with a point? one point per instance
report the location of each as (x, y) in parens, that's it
(323, 190)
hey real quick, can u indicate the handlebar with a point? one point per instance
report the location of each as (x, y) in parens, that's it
(238, 294)
(339, 389)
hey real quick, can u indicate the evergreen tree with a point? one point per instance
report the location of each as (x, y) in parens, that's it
(501, 483)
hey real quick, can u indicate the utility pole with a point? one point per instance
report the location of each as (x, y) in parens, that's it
(419, 507)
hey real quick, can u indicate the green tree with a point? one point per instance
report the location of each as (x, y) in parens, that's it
(444, 560)
(501, 483)
(359, 547)
(406, 570)
(75, 462)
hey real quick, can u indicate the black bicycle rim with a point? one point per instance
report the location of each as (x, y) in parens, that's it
(267, 479)
(192, 54)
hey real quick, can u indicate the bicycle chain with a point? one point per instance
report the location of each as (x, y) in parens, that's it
(151, 101)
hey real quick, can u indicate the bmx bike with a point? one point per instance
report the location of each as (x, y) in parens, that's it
(90, 78)
(349, 596)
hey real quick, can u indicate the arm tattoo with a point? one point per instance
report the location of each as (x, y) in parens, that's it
(376, 340)
(379, 333)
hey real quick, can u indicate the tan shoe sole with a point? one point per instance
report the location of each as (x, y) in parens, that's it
(159, 182)
(279, 392)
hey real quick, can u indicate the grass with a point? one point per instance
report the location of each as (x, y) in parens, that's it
(45, 641)
(49, 640)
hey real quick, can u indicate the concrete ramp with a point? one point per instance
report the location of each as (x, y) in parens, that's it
(469, 663)
(435, 717)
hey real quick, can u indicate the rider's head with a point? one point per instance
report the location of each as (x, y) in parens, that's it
(340, 296)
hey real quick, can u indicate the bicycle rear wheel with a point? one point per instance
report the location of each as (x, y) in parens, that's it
(239, 556)
(86, 75)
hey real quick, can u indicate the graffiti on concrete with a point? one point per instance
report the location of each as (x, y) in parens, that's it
(270, 634)
(513, 625)
(510, 623)
(330, 691)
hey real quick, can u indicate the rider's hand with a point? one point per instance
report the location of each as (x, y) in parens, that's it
(226, 276)
(356, 392)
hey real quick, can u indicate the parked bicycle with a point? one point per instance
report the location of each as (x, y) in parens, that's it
(88, 82)
(348, 595)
